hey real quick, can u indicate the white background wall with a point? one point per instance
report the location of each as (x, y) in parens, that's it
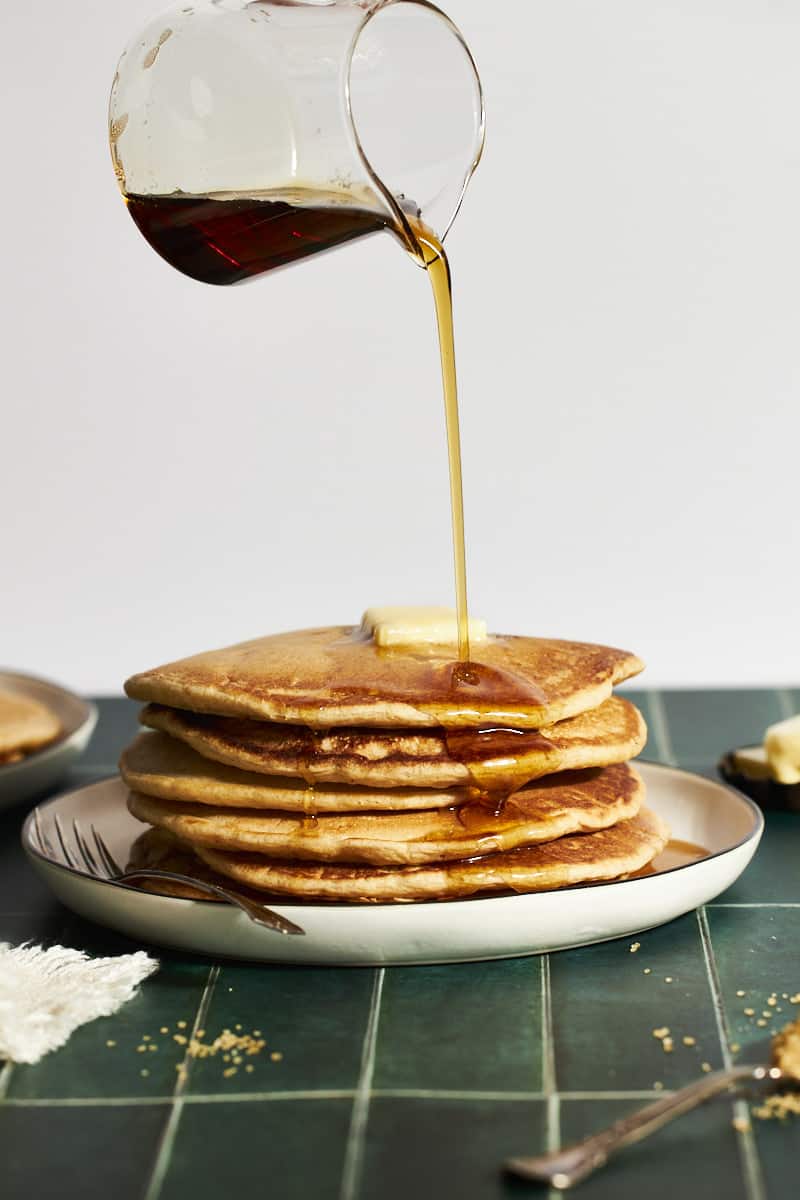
(183, 466)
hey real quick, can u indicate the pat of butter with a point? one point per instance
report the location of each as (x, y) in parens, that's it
(782, 744)
(396, 625)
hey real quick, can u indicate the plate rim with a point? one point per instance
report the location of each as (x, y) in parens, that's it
(291, 902)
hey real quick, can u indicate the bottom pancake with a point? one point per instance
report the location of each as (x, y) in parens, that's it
(159, 850)
(582, 858)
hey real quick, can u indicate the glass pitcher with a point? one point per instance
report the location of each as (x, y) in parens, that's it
(247, 134)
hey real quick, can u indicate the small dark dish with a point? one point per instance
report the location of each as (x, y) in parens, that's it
(767, 793)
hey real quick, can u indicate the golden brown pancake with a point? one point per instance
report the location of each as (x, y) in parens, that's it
(571, 802)
(158, 849)
(336, 676)
(432, 758)
(157, 765)
(25, 726)
(582, 858)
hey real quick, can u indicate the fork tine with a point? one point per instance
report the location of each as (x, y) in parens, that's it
(85, 852)
(70, 861)
(109, 862)
(45, 845)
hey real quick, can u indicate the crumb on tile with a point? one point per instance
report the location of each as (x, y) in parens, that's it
(778, 1107)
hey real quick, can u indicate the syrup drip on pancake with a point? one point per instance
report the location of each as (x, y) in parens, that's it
(463, 689)
(310, 822)
(492, 756)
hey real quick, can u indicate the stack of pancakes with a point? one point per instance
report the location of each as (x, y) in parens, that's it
(319, 765)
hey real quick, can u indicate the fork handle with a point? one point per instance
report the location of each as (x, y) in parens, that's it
(252, 908)
(569, 1166)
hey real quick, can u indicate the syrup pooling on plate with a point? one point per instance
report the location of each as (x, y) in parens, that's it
(676, 853)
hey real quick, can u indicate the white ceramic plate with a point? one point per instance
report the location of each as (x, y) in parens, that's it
(44, 769)
(697, 810)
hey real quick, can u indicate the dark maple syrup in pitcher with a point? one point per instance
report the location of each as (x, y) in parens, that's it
(229, 238)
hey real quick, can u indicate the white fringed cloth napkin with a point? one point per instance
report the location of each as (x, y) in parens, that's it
(47, 994)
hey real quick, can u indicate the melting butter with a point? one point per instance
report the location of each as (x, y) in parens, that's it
(409, 625)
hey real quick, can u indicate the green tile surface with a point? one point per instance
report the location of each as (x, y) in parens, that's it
(605, 988)
(287, 1149)
(418, 1082)
(429, 1149)
(433, 1036)
(756, 952)
(70, 1152)
(321, 1012)
(702, 725)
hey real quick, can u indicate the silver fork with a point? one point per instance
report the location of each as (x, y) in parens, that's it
(564, 1168)
(99, 863)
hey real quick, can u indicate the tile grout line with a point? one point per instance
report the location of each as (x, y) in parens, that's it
(751, 1166)
(265, 1097)
(548, 1055)
(660, 725)
(329, 1094)
(785, 702)
(768, 904)
(164, 1152)
(549, 1079)
(354, 1151)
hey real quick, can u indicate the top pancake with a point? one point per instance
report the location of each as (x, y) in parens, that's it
(25, 725)
(336, 676)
